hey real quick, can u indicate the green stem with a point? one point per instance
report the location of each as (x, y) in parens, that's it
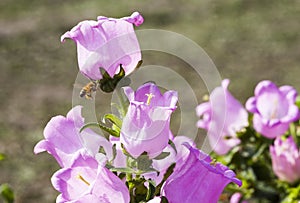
(130, 183)
(130, 187)
(128, 177)
(123, 103)
(132, 199)
(293, 131)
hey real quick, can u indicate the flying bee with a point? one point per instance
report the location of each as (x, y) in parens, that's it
(88, 89)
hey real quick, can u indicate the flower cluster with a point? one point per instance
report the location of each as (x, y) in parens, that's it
(268, 141)
(140, 160)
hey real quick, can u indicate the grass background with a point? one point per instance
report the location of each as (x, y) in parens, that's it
(248, 41)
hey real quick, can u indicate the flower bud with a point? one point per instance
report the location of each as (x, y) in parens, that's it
(286, 159)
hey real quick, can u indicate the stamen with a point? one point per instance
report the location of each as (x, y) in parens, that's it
(82, 179)
(213, 162)
(150, 96)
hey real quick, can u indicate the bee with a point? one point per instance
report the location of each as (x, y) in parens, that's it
(88, 89)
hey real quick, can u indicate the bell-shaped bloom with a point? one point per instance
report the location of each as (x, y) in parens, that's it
(106, 43)
(273, 108)
(286, 159)
(223, 116)
(198, 179)
(146, 126)
(63, 139)
(87, 181)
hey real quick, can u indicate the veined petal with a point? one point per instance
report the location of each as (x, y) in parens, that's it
(106, 43)
(63, 139)
(146, 126)
(198, 180)
(223, 116)
(274, 108)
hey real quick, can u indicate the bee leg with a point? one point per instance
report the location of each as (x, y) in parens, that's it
(88, 95)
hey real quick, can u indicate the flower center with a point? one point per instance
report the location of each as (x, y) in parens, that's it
(83, 180)
(274, 111)
(150, 96)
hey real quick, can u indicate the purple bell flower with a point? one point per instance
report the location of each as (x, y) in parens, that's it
(63, 140)
(273, 108)
(198, 179)
(87, 181)
(106, 43)
(223, 116)
(146, 126)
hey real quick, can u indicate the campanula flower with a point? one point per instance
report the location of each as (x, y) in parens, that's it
(63, 139)
(223, 116)
(286, 159)
(87, 181)
(198, 179)
(146, 126)
(273, 108)
(106, 43)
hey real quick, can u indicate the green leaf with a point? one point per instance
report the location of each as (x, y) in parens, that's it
(138, 65)
(114, 148)
(171, 143)
(298, 101)
(88, 125)
(121, 74)
(109, 130)
(144, 163)
(164, 200)
(102, 127)
(2, 156)
(149, 170)
(7, 193)
(140, 190)
(151, 191)
(259, 153)
(104, 74)
(166, 176)
(107, 83)
(122, 170)
(162, 156)
(113, 119)
(126, 153)
(124, 103)
(226, 159)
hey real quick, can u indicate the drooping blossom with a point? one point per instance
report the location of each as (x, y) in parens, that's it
(106, 43)
(273, 108)
(286, 159)
(63, 139)
(223, 116)
(87, 181)
(198, 180)
(146, 126)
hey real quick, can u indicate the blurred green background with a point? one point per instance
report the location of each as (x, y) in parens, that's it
(248, 41)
